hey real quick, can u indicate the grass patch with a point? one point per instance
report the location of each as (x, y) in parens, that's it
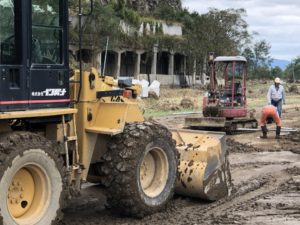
(157, 113)
(170, 99)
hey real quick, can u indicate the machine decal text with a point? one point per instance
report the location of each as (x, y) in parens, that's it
(50, 92)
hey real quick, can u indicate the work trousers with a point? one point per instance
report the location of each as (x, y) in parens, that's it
(278, 105)
(269, 112)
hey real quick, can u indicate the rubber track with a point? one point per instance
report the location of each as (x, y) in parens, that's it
(120, 165)
(13, 144)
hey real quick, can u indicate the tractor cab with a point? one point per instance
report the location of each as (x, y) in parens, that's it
(227, 94)
(232, 87)
(34, 68)
(224, 105)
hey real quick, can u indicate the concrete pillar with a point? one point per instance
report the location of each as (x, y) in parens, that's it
(184, 71)
(204, 72)
(154, 60)
(194, 72)
(118, 66)
(99, 62)
(171, 63)
(184, 65)
(137, 69)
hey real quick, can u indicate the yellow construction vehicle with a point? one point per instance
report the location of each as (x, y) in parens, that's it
(58, 132)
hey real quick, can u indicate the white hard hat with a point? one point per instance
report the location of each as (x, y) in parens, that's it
(277, 80)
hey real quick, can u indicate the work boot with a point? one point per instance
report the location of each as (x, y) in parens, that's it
(264, 131)
(278, 129)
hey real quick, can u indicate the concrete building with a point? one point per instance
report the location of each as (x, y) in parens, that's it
(165, 65)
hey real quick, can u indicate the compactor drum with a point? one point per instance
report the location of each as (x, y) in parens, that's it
(50, 147)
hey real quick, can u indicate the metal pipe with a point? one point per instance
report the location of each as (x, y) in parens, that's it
(225, 76)
(66, 143)
(272, 129)
(80, 15)
(105, 58)
(80, 50)
(245, 87)
(232, 85)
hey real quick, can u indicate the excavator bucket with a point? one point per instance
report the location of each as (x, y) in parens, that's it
(203, 171)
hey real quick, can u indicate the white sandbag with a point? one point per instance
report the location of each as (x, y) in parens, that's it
(145, 88)
(155, 87)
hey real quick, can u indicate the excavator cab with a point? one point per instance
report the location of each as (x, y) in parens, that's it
(228, 89)
(232, 90)
(225, 103)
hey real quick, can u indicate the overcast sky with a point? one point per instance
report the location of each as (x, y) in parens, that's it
(276, 21)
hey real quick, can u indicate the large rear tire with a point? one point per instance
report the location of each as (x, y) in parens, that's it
(140, 169)
(33, 180)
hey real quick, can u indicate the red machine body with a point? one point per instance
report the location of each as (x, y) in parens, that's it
(229, 97)
(225, 104)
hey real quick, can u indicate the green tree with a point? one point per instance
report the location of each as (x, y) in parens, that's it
(228, 30)
(262, 56)
(263, 72)
(259, 59)
(101, 24)
(219, 31)
(277, 72)
(292, 71)
(249, 55)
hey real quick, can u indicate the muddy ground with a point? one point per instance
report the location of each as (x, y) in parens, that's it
(266, 177)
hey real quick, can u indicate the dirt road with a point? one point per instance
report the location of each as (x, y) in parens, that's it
(266, 177)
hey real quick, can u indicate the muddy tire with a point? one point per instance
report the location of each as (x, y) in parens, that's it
(33, 180)
(140, 169)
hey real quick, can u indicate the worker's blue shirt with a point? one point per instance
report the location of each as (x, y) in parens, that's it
(276, 94)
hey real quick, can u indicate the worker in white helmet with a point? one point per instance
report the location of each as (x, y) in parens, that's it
(276, 95)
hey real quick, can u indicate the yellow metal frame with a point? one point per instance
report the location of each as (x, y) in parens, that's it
(98, 117)
(94, 116)
(37, 113)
